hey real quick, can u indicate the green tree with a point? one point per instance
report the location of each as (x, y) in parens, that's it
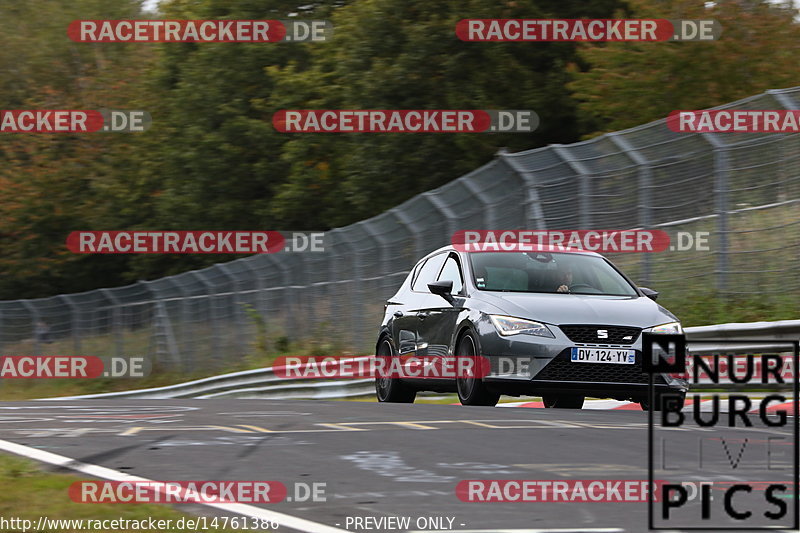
(631, 83)
(54, 183)
(218, 155)
(403, 54)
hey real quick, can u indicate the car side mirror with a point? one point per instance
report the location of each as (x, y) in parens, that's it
(442, 288)
(650, 293)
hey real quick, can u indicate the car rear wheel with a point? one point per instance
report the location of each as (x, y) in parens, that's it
(563, 401)
(388, 389)
(471, 389)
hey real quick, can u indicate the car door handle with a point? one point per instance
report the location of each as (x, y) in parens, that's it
(423, 315)
(398, 314)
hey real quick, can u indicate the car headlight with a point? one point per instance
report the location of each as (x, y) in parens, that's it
(669, 327)
(508, 325)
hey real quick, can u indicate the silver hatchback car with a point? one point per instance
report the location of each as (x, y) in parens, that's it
(560, 325)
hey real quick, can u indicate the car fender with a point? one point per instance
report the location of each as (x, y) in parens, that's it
(385, 332)
(466, 321)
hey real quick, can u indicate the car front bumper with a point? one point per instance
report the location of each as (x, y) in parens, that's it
(531, 365)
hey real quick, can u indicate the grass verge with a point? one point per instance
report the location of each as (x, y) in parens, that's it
(29, 492)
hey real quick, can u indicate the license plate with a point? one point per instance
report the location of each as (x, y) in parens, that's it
(603, 355)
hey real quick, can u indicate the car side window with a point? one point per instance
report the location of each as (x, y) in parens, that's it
(452, 272)
(415, 272)
(427, 273)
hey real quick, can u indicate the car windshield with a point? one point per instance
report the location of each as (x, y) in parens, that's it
(560, 272)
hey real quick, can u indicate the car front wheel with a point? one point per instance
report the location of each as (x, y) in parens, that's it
(471, 389)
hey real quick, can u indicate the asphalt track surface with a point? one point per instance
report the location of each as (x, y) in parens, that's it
(382, 460)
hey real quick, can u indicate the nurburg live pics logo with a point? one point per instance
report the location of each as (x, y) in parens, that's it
(736, 448)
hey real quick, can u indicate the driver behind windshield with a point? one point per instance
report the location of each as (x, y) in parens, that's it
(564, 279)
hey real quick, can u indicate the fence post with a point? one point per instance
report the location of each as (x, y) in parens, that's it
(238, 341)
(74, 313)
(722, 162)
(533, 204)
(419, 244)
(487, 209)
(212, 315)
(34, 322)
(356, 292)
(258, 300)
(163, 329)
(444, 209)
(119, 344)
(405, 221)
(283, 302)
(186, 345)
(644, 179)
(721, 171)
(585, 199)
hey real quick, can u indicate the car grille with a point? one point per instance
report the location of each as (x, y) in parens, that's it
(588, 334)
(562, 369)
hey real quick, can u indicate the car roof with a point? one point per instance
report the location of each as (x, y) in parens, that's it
(549, 249)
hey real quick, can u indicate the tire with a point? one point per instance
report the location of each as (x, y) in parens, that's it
(680, 397)
(563, 401)
(472, 390)
(391, 390)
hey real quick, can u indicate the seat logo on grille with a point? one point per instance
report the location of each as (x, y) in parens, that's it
(602, 333)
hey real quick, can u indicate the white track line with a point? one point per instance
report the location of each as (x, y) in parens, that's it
(588, 404)
(571, 530)
(299, 524)
(705, 405)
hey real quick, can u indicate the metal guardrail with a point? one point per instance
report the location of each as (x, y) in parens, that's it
(788, 330)
(737, 333)
(258, 383)
(264, 383)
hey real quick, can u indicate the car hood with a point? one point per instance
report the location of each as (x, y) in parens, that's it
(638, 311)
